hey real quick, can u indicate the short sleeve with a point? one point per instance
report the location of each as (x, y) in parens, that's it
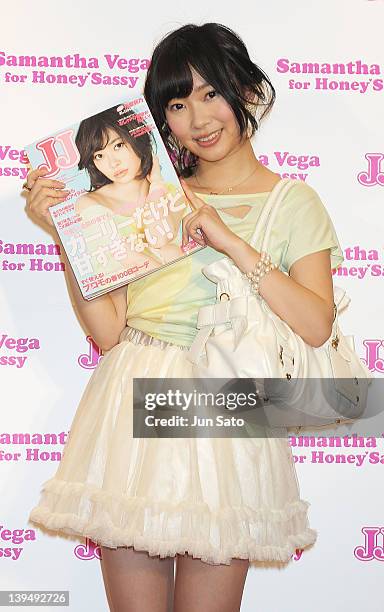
(308, 227)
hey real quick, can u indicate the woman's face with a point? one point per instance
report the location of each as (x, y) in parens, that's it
(203, 122)
(117, 160)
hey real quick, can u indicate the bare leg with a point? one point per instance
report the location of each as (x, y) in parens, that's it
(136, 582)
(212, 588)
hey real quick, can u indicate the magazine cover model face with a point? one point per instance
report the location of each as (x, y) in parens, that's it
(100, 157)
(117, 160)
(115, 167)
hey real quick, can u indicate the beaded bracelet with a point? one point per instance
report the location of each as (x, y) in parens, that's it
(263, 266)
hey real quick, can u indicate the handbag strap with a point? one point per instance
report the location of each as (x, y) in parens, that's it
(269, 211)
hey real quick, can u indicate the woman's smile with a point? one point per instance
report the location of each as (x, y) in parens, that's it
(210, 140)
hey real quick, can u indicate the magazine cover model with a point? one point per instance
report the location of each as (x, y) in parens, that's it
(123, 216)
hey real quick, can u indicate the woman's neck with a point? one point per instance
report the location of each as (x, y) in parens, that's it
(232, 170)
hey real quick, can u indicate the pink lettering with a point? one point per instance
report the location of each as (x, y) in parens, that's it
(298, 553)
(372, 359)
(111, 60)
(4, 152)
(54, 161)
(281, 157)
(71, 154)
(47, 148)
(90, 360)
(13, 154)
(88, 551)
(373, 176)
(370, 550)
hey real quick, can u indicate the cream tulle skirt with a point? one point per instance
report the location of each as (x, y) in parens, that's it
(215, 499)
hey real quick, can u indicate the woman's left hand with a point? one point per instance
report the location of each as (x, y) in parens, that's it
(213, 231)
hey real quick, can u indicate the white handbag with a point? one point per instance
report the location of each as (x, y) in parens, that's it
(241, 337)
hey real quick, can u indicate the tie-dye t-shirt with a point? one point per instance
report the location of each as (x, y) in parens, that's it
(165, 303)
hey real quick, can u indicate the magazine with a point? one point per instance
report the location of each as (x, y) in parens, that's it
(123, 216)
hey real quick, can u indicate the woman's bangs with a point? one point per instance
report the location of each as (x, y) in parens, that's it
(101, 136)
(175, 79)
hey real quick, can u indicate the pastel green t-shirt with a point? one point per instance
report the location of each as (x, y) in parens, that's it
(165, 303)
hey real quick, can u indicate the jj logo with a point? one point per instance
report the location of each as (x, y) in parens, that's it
(374, 174)
(89, 360)
(372, 359)
(88, 551)
(373, 545)
(297, 554)
(55, 160)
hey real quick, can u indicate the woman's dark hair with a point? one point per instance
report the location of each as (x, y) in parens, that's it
(221, 58)
(92, 136)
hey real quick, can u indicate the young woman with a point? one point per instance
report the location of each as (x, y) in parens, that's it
(213, 504)
(124, 175)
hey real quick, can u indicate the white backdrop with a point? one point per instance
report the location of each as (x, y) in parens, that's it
(328, 128)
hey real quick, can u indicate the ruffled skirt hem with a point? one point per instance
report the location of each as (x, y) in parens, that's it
(165, 530)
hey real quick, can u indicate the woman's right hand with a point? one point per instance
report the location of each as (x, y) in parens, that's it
(43, 194)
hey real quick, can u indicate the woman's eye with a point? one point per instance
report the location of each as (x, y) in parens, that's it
(97, 156)
(212, 94)
(177, 106)
(118, 145)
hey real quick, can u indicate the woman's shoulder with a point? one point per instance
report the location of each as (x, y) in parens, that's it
(302, 211)
(302, 190)
(307, 226)
(303, 201)
(84, 201)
